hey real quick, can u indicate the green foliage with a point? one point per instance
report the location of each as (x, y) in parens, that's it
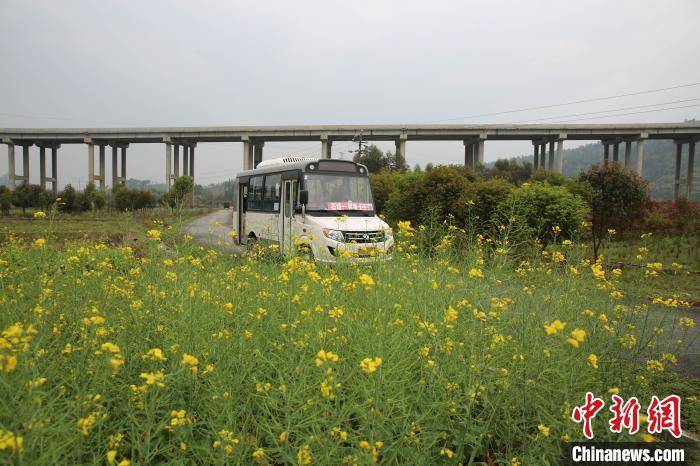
(509, 169)
(544, 176)
(70, 201)
(132, 199)
(373, 158)
(175, 199)
(617, 198)
(678, 218)
(113, 340)
(30, 195)
(5, 200)
(383, 185)
(386, 183)
(546, 212)
(441, 188)
(480, 200)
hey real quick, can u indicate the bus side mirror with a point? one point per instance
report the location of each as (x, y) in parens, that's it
(303, 197)
(244, 204)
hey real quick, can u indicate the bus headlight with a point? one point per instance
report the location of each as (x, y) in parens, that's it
(388, 233)
(335, 235)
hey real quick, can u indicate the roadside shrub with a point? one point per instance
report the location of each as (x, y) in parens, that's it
(5, 200)
(544, 176)
(441, 188)
(617, 198)
(386, 183)
(91, 198)
(175, 198)
(30, 195)
(480, 200)
(511, 170)
(383, 185)
(132, 199)
(681, 217)
(70, 200)
(544, 211)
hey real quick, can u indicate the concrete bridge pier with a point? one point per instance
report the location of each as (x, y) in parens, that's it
(677, 178)
(690, 168)
(185, 160)
(12, 179)
(247, 153)
(606, 153)
(543, 156)
(176, 162)
(118, 164)
(102, 177)
(188, 162)
(168, 163)
(469, 154)
(560, 156)
(53, 179)
(257, 152)
(640, 153)
(628, 154)
(536, 162)
(550, 165)
(92, 177)
(473, 151)
(326, 147)
(480, 150)
(400, 145)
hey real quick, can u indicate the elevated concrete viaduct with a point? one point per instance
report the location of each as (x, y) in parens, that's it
(548, 143)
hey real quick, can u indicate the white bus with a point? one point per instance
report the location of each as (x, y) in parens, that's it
(323, 203)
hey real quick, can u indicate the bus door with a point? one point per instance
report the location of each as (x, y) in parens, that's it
(288, 204)
(242, 207)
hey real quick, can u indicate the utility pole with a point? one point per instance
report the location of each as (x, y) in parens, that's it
(360, 144)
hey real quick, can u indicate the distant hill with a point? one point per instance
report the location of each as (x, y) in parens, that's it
(658, 168)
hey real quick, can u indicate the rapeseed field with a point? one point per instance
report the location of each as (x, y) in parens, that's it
(177, 353)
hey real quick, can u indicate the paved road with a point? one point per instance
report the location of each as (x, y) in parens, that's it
(212, 230)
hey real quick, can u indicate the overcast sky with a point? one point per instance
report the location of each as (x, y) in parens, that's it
(157, 63)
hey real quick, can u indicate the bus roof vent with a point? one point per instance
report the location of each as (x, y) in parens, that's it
(285, 160)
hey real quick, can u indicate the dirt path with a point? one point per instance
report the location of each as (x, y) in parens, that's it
(212, 230)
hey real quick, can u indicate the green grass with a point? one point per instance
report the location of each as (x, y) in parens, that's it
(634, 254)
(112, 227)
(475, 383)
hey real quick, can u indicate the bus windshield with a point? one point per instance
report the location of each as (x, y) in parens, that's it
(340, 193)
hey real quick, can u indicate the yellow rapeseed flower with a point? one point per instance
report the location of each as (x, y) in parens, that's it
(593, 361)
(366, 280)
(577, 337)
(369, 365)
(554, 327)
(189, 360)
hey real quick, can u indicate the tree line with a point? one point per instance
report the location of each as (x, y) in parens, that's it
(70, 200)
